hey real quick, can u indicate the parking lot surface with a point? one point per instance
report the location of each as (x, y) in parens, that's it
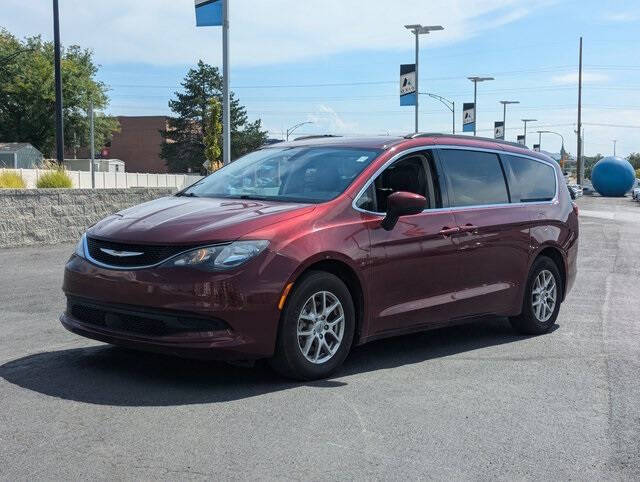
(468, 402)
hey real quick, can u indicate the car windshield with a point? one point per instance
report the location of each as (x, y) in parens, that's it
(300, 174)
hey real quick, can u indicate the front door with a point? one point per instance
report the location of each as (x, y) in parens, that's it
(414, 266)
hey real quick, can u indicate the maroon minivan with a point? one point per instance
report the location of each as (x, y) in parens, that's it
(299, 251)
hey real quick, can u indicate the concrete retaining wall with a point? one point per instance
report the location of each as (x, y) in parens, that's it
(49, 216)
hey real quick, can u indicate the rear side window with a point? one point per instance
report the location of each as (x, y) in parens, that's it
(475, 178)
(531, 180)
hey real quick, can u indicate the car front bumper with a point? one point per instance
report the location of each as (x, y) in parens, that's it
(227, 316)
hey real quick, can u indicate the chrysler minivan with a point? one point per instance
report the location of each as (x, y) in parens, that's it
(299, 251)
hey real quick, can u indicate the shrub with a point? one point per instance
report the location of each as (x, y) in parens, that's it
(56, 178)
(11, 180)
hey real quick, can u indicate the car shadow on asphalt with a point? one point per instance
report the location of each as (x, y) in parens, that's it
(107, 375)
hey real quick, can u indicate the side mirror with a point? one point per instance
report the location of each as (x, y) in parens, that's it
(402, 203)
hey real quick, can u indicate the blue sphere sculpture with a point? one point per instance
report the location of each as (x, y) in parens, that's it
(613, 177)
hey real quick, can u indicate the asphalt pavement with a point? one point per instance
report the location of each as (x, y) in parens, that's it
(468, 402)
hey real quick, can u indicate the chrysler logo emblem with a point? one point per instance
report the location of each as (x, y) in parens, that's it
(120, 254)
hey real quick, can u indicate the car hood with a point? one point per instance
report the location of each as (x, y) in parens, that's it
(188, 220)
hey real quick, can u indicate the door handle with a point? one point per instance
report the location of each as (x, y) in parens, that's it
(447, 231)
(467, 228)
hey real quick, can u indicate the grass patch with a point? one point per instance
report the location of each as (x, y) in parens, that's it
(11, 180)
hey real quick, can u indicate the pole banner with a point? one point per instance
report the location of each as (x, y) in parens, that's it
(408, 92)
(209, 13)
(498, 130)
(536, 147)
(468, 117)
(521, 140)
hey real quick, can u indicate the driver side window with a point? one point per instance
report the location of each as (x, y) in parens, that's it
(413, 173)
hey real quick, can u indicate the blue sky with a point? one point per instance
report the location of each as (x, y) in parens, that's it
(288, 55)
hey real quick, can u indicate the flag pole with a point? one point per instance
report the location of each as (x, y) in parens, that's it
(226, 104)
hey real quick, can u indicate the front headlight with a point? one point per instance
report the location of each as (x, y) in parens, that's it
(216, 258)
(80, 247)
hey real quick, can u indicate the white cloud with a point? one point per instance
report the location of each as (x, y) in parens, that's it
(327, 120)
(162, 31)
(622, 17)
(572, 78)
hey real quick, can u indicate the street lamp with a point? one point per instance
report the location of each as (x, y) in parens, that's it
(525, 129)
(475, 81)
(418, 30)
(291, 129)
(562, 151)
(451, 105)
(615, 141)
(505, 103)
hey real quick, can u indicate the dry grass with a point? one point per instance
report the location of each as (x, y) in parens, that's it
(11, 180)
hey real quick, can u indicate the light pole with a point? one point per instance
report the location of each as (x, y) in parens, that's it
(58, 84)
(505, 103)
(451, 105)
(475, 81)
(418, 30)
(615, 141)
(525, 129)
(562, 151)
(291, 129)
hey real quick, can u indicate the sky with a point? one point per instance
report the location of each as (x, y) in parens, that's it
(335, 63)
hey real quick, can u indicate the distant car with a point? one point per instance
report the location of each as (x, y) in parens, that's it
(577, 189)
(635, 194)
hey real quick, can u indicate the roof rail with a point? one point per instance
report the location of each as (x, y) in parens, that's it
(458, 136)
(316, 136)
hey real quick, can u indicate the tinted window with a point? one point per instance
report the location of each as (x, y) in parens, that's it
(475, 178)
(532, 180)
(305, 174)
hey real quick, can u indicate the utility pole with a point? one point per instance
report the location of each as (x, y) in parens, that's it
(475, 81)
(580, 147)
(58, 81)
(418, 30)
(504, 113)
(525, 129)
(92, 143)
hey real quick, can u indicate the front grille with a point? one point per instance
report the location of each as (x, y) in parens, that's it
(151, 254)
(140, 321)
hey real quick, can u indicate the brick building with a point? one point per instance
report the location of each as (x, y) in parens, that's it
(138, 143)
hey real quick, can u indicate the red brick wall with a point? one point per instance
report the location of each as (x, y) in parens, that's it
(138, 143)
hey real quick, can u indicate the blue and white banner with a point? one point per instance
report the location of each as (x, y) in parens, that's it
(498, 130)
(468, 117)
(209, 13)
(408, 84)
(521, 140)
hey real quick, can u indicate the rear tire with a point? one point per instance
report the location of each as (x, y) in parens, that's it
(542, 298)
(316, 328)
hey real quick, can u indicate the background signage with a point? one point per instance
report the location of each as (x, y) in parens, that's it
(468, 117)
(498, 130)
(521, 140)
(408, 84)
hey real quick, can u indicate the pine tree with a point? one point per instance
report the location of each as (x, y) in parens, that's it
(184, 145)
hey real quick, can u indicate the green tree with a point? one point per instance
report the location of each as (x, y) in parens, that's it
(589, 162)
(213, 136)
(27, 94)
(184, 145)
(634, 160)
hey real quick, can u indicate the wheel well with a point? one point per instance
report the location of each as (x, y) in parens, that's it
(349, 278)
(555, 255)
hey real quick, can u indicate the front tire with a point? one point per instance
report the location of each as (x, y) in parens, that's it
(542, 298)
(317, 327)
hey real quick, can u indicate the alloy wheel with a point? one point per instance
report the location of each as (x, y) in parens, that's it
(544, 295)
(320, 327)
